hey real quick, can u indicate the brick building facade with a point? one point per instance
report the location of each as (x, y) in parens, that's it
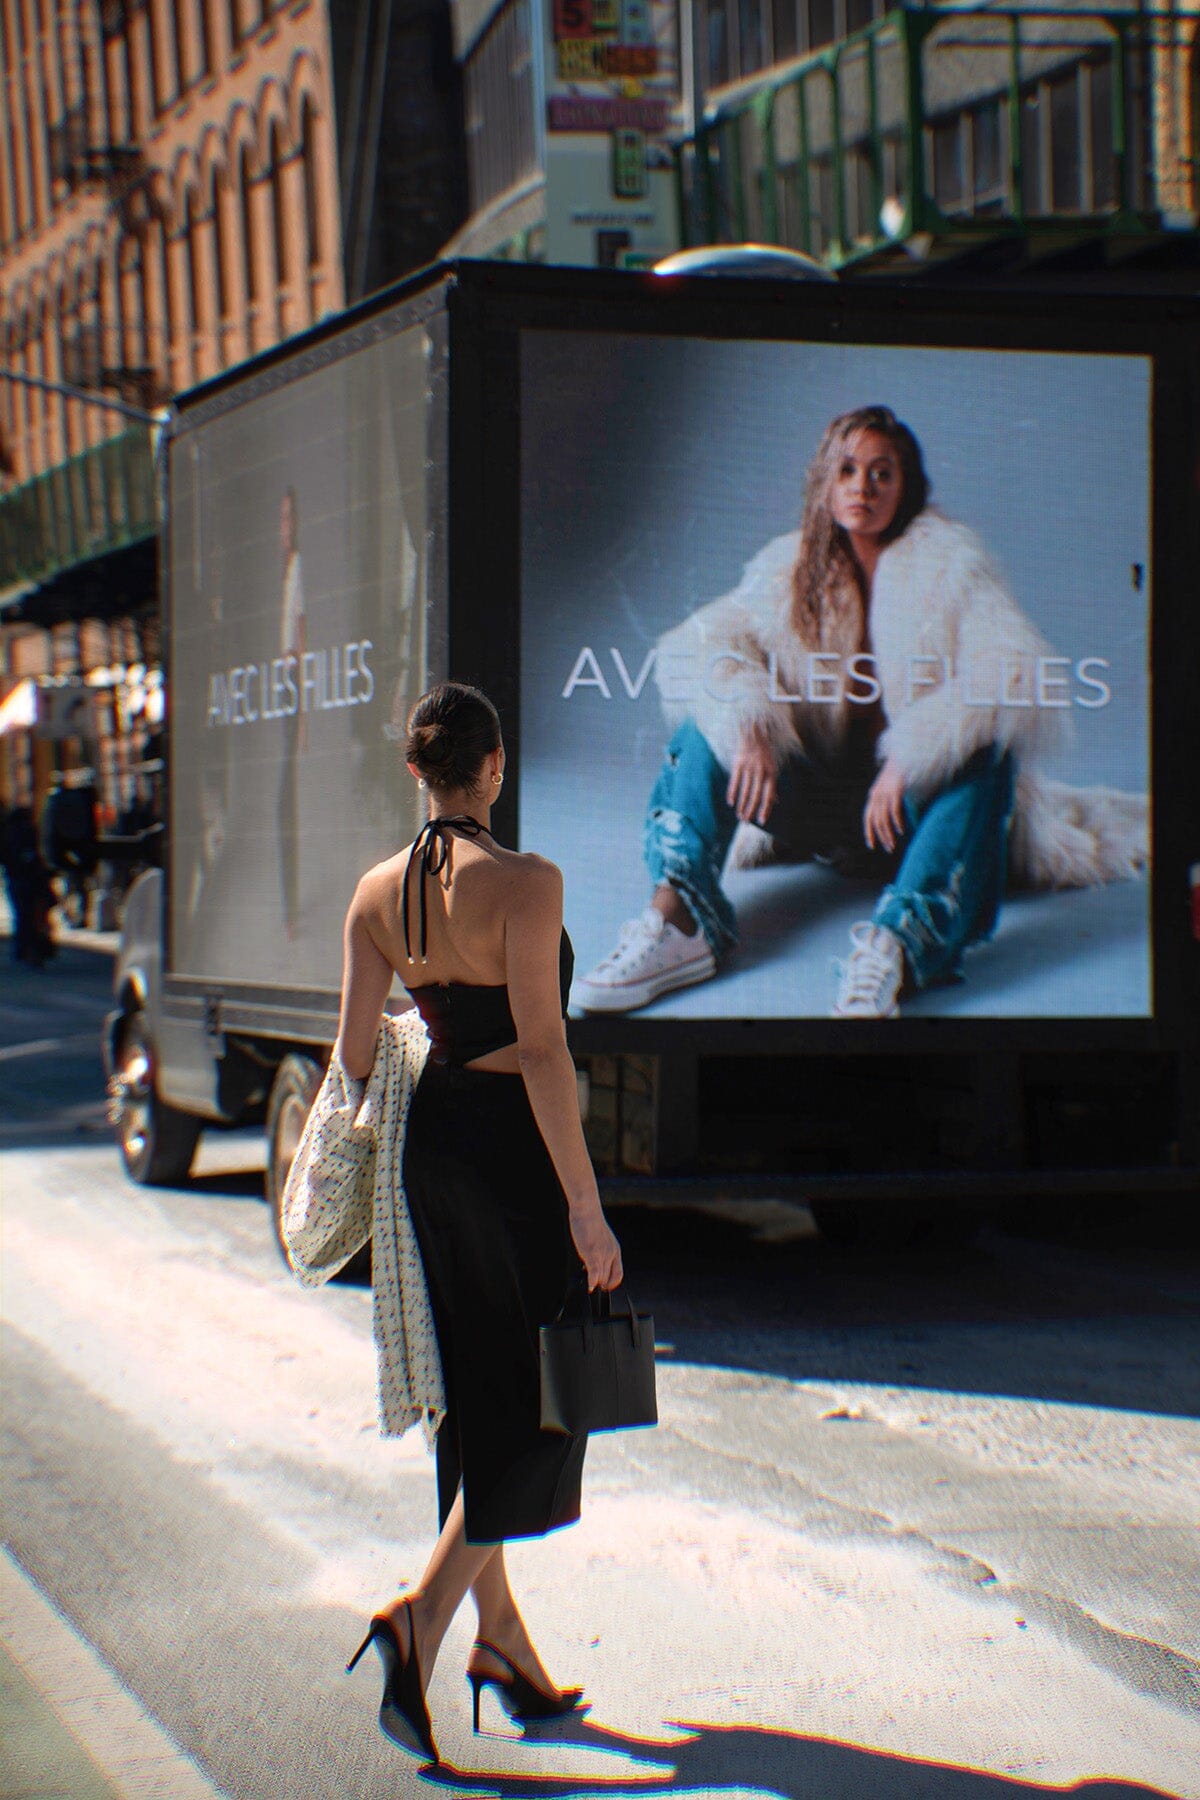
(183, 183)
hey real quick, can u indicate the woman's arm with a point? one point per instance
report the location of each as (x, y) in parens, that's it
(532, 935)
(754, 778)
(884, 822)
(714, 667)
(366, 983)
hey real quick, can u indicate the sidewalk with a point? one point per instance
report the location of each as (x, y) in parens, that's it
(105, 941)
(68, 1729)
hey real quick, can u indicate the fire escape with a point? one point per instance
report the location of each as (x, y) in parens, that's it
(56, 527)
(939, 131)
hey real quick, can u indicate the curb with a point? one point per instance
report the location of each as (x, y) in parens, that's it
(70, 1727)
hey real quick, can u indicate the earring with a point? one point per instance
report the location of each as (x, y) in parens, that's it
(496, 780)
(422, 784)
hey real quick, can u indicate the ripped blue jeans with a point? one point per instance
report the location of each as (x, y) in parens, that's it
(944, 895)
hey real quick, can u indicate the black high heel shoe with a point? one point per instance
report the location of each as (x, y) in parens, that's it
(403, 1714)
(521, 1698)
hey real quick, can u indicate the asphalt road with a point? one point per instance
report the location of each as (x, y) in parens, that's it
(923, 1526)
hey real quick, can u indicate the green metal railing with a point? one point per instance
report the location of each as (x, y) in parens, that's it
(946, 123)
(100, 500)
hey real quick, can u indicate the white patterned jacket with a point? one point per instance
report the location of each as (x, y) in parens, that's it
(346, 1188)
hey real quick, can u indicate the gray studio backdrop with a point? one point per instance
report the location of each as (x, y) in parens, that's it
(652, 470)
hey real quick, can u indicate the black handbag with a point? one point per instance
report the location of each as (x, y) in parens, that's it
(597, 1365)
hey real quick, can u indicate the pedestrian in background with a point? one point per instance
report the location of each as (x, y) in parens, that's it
(30, 893)
(69, 840)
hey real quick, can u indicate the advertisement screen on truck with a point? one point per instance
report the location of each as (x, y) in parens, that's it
(302, 632)
(835, 675)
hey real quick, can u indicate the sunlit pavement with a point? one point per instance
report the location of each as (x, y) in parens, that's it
(903, 1531)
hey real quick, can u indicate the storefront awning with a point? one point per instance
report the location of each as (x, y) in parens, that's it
(98, 502)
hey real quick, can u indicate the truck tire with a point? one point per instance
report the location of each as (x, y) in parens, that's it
(157, 1142)
(292, 1094)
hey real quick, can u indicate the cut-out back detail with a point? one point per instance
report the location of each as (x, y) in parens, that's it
(465, 1020)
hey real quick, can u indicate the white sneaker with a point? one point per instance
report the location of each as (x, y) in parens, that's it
(651, 958)
(872, 977)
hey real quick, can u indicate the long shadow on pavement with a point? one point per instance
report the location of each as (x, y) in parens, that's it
(716, 1759)
(1093, 1317)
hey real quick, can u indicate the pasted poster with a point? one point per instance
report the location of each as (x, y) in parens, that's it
(301, 634)
(819, 640)
(612, 103)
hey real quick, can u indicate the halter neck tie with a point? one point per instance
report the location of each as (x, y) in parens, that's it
(433, 849)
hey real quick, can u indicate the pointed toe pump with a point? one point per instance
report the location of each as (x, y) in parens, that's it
(521, 1698)
(403, 1714)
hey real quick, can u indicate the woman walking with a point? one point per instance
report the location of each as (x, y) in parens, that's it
(869, 694)
(500, 1187)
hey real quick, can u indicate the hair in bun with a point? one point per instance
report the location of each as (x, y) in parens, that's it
(433, 742)
(451, 730)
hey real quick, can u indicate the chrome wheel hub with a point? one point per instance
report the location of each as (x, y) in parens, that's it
(131, 1093)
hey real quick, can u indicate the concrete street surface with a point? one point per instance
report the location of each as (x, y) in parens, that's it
(919, 1527)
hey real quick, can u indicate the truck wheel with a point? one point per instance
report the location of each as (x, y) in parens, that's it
(157, 1141)
(292, 1094)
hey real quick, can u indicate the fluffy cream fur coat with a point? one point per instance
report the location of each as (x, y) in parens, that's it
(957, 665)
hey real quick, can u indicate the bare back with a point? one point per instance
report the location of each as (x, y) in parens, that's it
(466, 904)
(487, 924)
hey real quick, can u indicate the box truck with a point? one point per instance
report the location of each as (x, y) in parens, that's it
(563, 485)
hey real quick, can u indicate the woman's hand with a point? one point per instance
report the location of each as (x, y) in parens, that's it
(599, 1251)
(753, 779)
(883, 816)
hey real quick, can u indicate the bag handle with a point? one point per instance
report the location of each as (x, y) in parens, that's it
(596, 1308)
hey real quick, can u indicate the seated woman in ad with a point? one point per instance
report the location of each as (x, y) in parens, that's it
(870, 694)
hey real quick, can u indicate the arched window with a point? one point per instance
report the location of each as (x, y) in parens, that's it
(191, 284)
(246, 197)
(66, 320)
(134, 352)
(159, 97)
(22, 396)
(8, 406)
(180, 60)
(220, 280)
(156, 280)
(312, 216)
(279, 210)
(44, 417)
(40, 422)
(109, 317)
(205, 40)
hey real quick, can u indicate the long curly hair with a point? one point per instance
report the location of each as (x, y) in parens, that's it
(825, 560)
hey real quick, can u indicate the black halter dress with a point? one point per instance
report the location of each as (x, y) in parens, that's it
(491, 1220)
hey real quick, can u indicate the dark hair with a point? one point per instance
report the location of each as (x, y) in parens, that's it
(451, 730)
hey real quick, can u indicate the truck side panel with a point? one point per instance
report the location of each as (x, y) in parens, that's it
(305, 619)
